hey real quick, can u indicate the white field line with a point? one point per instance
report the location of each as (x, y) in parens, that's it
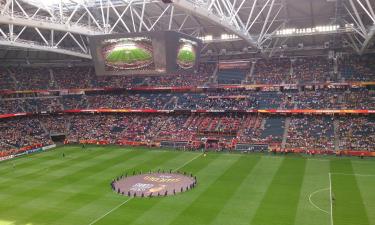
(127, 200)
(330, 196)
(313, 204)
(354, 174)
(343, 174)
(188, 162)
(110, 211)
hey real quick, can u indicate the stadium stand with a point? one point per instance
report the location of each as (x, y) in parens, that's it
(274, 71)
(22, 132)
(354, 68)
(356, 133)
(314, 133)
(224, 130)
(312, 70)
(229, 100)
(232, 76)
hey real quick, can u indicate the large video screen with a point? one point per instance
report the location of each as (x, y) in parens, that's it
(146, 53)
(186, 53)
(183, 52)
(128, 54)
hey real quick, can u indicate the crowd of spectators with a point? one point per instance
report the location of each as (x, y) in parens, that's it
(262, 130)
(55, 124)
(356, 133)
(124, 101)
(129, 127)
(21, 132)
(303, 133)
(310, 133)
(312, 70)
(74, 77)
(6, 82)
(81, 77)
(30, 78)
(354, 68)
(360, 99)
(318, 100)
(273, 71)
(220, 100)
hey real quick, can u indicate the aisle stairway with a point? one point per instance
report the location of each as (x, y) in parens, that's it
(285, 136)
(336, 130)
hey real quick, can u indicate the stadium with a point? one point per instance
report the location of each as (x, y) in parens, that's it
(192, 112)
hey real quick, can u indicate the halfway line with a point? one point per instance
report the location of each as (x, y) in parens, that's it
(104, 215)
(188, 162)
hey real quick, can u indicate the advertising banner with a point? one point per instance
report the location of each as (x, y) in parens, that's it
(6, 157)
(252, 147)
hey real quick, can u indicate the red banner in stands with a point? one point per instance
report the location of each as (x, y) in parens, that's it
(13, 115)
(356, 153)
(265, 111)
(96, 142)
(234, 64)
(19, 151)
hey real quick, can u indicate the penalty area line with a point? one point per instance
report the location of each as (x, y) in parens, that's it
(127, 200)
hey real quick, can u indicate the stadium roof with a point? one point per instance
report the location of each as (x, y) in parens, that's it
(230, 27)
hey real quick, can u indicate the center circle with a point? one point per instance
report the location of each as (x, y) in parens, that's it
(153, 184)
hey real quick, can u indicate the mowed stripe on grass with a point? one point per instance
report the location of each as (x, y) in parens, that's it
(348, 207)
(315, 185)
(241, 207)
(279, 205)
(210, 202)
(366, 186)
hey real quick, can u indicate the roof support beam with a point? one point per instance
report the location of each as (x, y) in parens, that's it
(359, 19)
(202, 12)
(170, 18)
(44, 48)
(368, 40)
(266, 21)
(119, 17)
(142, 15)
(372, 17)
(73, 28)
(363, 35)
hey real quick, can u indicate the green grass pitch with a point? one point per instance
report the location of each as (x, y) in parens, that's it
(233, 189)
(128, 56)
(186, 56)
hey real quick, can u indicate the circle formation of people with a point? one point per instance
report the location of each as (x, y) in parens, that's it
(153, 184)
